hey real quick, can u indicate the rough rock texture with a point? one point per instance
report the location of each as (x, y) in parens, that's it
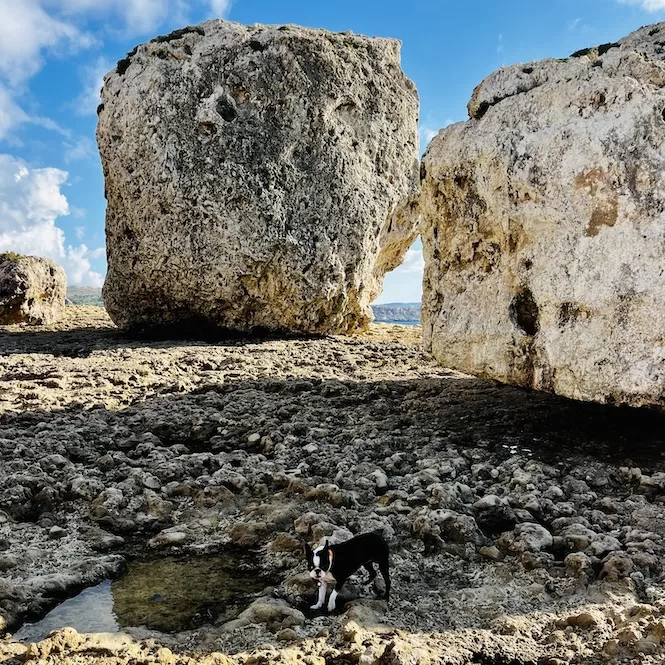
(32, 289)
(543, 226)
(519, 530)
(256, 177)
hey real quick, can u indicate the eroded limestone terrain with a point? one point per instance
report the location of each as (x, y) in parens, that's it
(524, 528)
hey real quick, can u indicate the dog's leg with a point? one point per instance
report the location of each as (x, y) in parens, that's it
(385, 573)
(332, 601)
(323, 587)
(369, 567)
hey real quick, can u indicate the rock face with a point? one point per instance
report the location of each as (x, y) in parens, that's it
(253, 176)
(32, 289)
(543, 226)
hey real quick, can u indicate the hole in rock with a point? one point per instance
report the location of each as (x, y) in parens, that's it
(169, 594)
(523, 312)
(226, 110)
(402, 290)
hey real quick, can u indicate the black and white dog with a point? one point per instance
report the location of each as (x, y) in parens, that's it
(334, 564)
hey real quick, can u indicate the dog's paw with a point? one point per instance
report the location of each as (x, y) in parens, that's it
(318, 606)
(331, 607)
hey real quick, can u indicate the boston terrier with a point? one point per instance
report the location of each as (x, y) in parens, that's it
(334, 564)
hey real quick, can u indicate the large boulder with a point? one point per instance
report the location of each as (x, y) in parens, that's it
(32, 289)
(253, 176)
(543, 226)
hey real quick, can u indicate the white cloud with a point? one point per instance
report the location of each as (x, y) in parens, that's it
(11, 115)
(26, 30)
(92, 77)
(405, 283)
(33, 29)
(139, 16)
(27, 33)
(429, 128)
(30, 203)
(220, 8)
(78, 266)
(427, 133)
(647, 5)
(81, 148)
(413, 262)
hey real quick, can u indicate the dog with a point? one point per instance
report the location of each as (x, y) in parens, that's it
(334, 564)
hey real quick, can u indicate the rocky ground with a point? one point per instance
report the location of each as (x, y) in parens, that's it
(524, 528)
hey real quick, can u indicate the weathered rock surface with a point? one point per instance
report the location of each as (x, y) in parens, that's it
(517, 534)
(32, 289)
(543, 225)
(253, 176)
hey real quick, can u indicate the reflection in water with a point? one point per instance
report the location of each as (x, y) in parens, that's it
(168, 594)
(89, 612)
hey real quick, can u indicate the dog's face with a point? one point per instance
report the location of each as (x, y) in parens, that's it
(319, 562)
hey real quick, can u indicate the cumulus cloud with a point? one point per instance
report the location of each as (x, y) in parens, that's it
(647, 5)
(30, 203)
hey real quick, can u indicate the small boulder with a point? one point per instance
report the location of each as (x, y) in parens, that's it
(32, 290)
(275, 613)
(527, 537)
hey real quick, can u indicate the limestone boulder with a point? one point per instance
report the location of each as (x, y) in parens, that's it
(256, 177)
(32, 289)
(543, 226)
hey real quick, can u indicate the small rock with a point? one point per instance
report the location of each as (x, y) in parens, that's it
(7, 562)
(275, 613)
(56, 532)
(381, 479)
(584, 620)
(287, 635)
(527, 537)
(107, 542)
(616, 566)
(168, 539)
(492, 552)
(603, 544)
(151, 482)
(578, 563)
(351, 633)
(657, 631)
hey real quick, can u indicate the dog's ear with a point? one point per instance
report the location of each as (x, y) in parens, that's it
(326, 545)
(307, 548)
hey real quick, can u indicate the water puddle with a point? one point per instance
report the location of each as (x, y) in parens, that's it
(170, 595)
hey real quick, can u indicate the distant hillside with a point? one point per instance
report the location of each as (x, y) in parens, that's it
(397, 311)
(84, 295)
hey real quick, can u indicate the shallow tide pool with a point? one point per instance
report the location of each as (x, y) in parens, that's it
(170, 595)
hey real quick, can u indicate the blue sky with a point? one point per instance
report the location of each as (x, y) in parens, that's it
(53, 54)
